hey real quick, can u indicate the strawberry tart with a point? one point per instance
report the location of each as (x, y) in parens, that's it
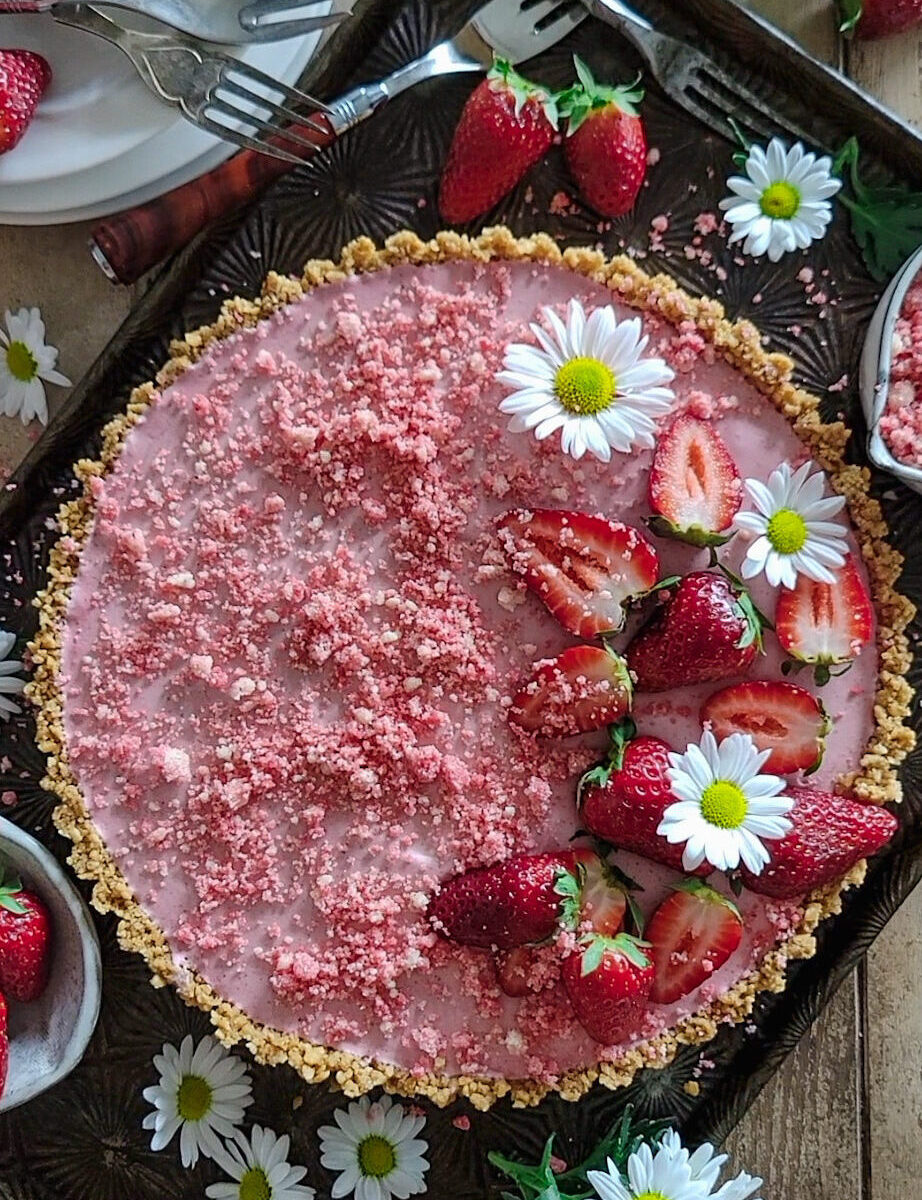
(472, 670)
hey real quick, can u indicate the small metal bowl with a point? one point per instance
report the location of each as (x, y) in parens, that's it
(874, 374)
(48, 1036)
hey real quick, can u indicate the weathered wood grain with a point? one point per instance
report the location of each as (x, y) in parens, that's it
(803, 1133)
(890, 69)
(894, 1054)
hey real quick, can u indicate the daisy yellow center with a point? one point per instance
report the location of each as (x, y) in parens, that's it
(723, 804)
(585, 386)
(780, 200)
(651, 1196)
(787, 531)
(376, 1156)
(255, 1185)
(193, 1100)
(21, 362)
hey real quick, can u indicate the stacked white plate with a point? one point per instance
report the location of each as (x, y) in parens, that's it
(101, 141)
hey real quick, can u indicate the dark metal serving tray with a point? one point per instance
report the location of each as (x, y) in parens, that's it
(83, 1140)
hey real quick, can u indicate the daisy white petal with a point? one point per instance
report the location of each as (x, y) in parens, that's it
(723, 803)
(375, 1151)
(782, 203)
(791, 536)
(25, 362)
(589, 378)
(198, 1095)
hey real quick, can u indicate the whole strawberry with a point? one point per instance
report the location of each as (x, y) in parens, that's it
(24, 79)
(506, 126)
(623, 800)
(605, 146)
(878, 18)
(608, 981)
(707, 629)
(25, 942)
(828, 835)
(515, 903)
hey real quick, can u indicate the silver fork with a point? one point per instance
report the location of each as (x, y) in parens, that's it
(215, 22)
(220, 94)
(511, 29)
(696, 82)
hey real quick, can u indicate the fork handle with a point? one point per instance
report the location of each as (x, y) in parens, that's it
(130, 243)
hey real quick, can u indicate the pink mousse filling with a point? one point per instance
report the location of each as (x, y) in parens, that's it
(901, 422)
(293, 641)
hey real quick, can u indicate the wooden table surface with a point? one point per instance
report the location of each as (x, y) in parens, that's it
(842, 1120)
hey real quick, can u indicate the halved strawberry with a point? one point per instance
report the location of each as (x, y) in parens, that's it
(603, 895)
(691, 935)
(584, 688)
(695, 488)
(823, 624)
(780, 717)
(586, 569)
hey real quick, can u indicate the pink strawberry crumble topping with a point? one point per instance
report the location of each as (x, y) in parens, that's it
(295, 637)
(901, 422)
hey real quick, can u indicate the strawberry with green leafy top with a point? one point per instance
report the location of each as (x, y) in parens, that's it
(584, 688)
(825, 625)
(707, 629)
(608, 982)
(695, 488)
(624, 798)
(691, 935)
(507, 125)
(879, 18)
(605, 146)
(25, 942)
(523, 900)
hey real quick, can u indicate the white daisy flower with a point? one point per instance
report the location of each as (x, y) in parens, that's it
(665, 1175)
(724, 807)
(793, 533)
(375, 1149)
(9, 684)
(202, 1092)
(588, 379)
(696, 1173)
(259, 1169)
(782, 203)
(25, 361)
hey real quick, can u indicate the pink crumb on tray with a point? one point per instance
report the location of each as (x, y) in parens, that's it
(901, 423)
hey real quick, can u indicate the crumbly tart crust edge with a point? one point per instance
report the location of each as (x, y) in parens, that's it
(875, 782)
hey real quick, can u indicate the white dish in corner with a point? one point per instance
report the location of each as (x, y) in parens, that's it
(101, 141)
(48, 1036)
(874, 374)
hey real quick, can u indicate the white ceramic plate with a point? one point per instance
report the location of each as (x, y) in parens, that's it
(48, 1036)
(101, 141)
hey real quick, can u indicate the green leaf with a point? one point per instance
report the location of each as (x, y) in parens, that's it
(851, 11)
(740, 157)
(619, 735)
(886, 220)
(694, 535)
(569, 888)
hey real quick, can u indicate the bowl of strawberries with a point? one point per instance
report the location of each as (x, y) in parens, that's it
(50, 969)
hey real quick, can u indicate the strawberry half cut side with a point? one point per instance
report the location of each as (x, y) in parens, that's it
(585, 568)
(780, 717)
(823, 625)
(584, 688)
(695, 488)
(691, 935)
